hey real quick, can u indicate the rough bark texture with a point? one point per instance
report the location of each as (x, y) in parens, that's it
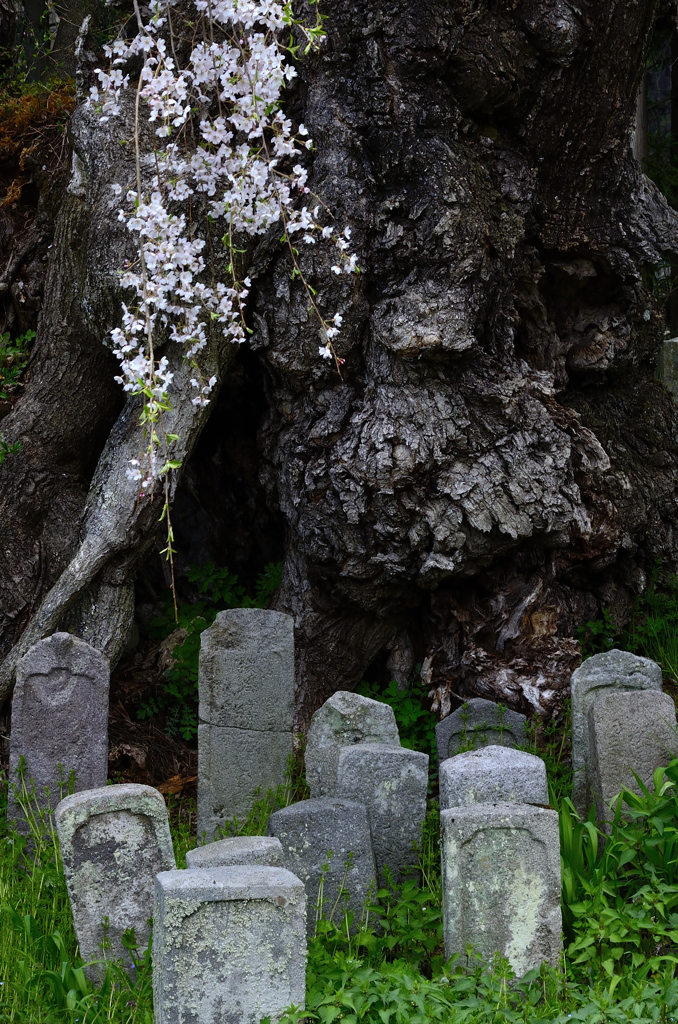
(497, 460)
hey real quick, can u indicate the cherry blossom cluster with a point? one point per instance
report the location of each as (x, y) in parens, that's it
(221, 133)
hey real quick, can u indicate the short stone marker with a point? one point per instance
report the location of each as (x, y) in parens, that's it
(632, 731)
(346, 718)
(262, 850)
(479, 723)
(667, 365)
(229, 945)
(493, 775)
(392, 783)
(616, 670)
(246, 707)
(308, 831)
(59, 717)
(114, 840)
(501, 883)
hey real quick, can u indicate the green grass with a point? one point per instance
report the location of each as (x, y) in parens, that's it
(620, 912)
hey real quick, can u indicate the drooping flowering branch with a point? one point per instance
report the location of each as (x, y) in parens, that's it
(228, 99)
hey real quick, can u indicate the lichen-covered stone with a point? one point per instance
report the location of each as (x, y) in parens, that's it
(478, 723)
(614, 669)
(114, 841)
(229, 945)
(59, 720)
(346, 718)
(265, 851)
(493, 775)
(328, 839)
(392, 783)
(630, 733)
(501, 883)
(246, 691)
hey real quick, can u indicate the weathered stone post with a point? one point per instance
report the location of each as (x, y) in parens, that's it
(630, 733)
(479, 723)
(229, 945)
(343, 720)
(114, 841)
(59, 720)
(500, 860)
(246, 689)
(327, 841)
(392, 782)
(616, 670)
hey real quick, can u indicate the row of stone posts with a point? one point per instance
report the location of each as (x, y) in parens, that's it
(230, 930)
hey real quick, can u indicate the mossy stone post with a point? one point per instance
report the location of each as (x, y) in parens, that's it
(59, 721)
(493, 775)
(246, 709)
(229, 945)
(114, 841)
(501, 883)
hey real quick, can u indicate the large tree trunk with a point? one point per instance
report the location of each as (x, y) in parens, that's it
(497, 459)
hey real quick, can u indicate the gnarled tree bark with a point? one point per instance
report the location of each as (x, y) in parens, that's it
(496, 460)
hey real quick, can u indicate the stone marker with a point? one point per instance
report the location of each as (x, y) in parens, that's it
(262, 850)
(246, 690)
(392, 783)
(629, 731)
(308, 830)
(229, 945)
(667, 365)
(59, 717)
(501, 883)
(493, 775)
(114, 840)
(617, 670)
(346, 718)
(479, 723)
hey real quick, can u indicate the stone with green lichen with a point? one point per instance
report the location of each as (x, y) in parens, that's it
(392, 782)
(479, 723)
(501, 883)
(667, 365)
(246, 709)
(114, 840)
(229, 945)
(346, 718)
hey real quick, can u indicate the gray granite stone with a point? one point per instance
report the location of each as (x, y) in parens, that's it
(346, 718)
(308, 831)
(264, 851)
(501, 883)
(233, 765)
(630, 733)
(614, 669)
(59, 718)
(114, 840)
(479, 723)
(493, 775)
(229, 945)
(246, 708)
(392, 783)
